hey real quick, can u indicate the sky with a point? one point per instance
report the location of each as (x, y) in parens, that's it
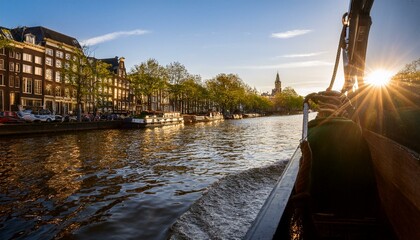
(254, 39)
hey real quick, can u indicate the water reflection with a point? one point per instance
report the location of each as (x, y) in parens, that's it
(127, 183)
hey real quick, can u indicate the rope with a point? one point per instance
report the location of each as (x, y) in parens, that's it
(341, 44)
(303, 178)
(301, 222)
(331, 103)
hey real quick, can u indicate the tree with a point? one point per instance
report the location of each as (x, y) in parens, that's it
(83, 73)
(227, 90)
(148, 78)
(4, 42)
(193, 94)
(6, 39)
(405, 86)
(177, 74)
(100, 74)
(288, 101)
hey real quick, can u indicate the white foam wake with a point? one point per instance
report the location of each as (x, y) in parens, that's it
(229, 206)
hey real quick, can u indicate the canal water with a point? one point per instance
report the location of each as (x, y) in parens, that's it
(134, 184)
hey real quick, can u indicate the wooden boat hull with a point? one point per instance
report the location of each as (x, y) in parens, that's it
(397, 171)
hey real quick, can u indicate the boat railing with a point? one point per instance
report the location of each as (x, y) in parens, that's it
(268, 219)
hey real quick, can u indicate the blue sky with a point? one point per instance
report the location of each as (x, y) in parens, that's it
(254, 39)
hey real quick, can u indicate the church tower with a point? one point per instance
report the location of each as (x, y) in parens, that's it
(277, 85)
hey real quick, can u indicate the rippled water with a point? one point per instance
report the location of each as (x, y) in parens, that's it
(127, 184)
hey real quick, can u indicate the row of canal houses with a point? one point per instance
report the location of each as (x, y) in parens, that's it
(31, 76)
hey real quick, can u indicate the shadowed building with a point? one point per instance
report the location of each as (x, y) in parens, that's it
(277, 86)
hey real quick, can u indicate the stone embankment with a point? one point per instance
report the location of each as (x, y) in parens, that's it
(33, 128)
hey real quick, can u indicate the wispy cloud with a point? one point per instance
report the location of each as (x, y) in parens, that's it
(289, 65)
(291, 33)
(299, 55)
(111, 36)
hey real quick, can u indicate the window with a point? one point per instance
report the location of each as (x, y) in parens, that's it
(38, 87)
(48, 74)
(38, 71)
(67, 92)
(29, 38)
(2, 51)
(59, 54)
(12, 98)
(12, 67)
(27, 57)
(27, 85)
(38, 60)
(74, 93)
(18, 56)
(11, 81)
(27, 68)
(1, 64)
(68, 56)
(49, 51)
(58, 76)
(58, 63)
(17, 82)
(48, 89)
(17, 67)
(1, 80)
(11, 54)
(58, 91)
(48, 61)
(66, 78)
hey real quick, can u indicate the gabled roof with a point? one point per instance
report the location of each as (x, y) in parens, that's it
(5, 33)
(41, 33)
(113, 62)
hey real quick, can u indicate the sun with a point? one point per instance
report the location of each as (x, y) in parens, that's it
(379, 77)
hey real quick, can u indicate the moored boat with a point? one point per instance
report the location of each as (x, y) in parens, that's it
(208, 117)
(357, 171)
(251, 115)
(153, 119)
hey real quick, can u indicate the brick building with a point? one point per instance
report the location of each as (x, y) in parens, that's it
(31, 74)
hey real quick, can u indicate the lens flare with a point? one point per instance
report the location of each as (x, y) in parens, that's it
(379, 77)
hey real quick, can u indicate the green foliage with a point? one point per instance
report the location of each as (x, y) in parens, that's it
(84, 74)
(227, 90)
(288, 101)
(410, 75)
(405, 86)
(177, 76)
(187, 93)
(4, 42)
(148, 78)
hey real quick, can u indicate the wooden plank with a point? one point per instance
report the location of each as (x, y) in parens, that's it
(398, 175)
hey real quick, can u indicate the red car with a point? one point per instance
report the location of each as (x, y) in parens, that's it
(10, 117)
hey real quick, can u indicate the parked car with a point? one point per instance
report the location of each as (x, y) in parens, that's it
(69, 118)
(10, 117)
(28, 116)
(58, 118)
(45, 115)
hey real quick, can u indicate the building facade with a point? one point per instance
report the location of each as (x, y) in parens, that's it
(115, 95)
(32, 75)
(21, 73)
(275, 90)
(277, 86)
